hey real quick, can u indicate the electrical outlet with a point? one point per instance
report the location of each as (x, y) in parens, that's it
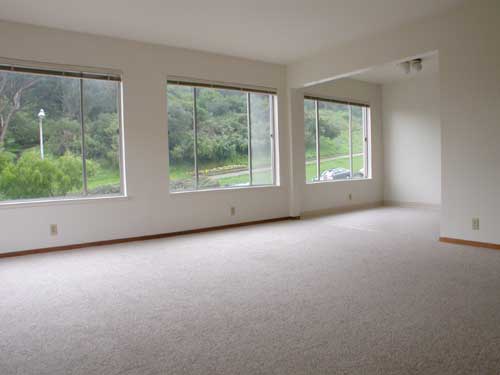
(350, 196)
(53, 229)
(475, 223)
(233, 211)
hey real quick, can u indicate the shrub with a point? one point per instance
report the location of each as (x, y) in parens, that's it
(6, 158)
(32, 177)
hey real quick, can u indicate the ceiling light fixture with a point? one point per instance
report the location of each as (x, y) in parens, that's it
(406, 67)
(412, 65)
(416, 65)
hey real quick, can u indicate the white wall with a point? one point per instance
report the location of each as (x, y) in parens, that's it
(331, 195)
(150, 208)
(468, 43)
(469, 61)
(412, 140)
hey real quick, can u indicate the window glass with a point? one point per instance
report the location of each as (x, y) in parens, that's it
(41, 148)
(40, 144)
(102, 136)
(343, 140)
(180, 137)
(261, 117)
(219, 137)
(310, 140)
(358, 143)
(334, 141)
(222, 150)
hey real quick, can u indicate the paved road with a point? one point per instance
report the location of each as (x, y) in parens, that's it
(242, 173)
(335, 158)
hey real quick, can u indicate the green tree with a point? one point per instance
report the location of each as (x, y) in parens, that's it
(31, 177)
(12, 88)
(62, 135)
(102, 139)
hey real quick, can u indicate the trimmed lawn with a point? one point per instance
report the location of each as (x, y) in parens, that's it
(104, 177)
(357, 162)
(260, 178)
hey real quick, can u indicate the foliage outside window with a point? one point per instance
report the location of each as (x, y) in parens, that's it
(59, 134)
(219, 137)
(336, 140)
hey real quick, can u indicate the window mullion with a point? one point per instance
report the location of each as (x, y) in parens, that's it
(318, 166)
(121, 155)
(365, 142)
(82, 132)
(195, 132)
(249, 126)
(350, 140)
(273, 140)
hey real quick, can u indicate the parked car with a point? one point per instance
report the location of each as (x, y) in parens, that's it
(359, 174)
(335, 174)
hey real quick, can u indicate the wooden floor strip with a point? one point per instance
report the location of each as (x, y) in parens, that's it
(139, 238)
(457, 241)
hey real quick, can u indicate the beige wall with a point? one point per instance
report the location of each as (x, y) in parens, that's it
(331, 195)
(412, 141)
(469, 52)
(149, 208)
(468, 43)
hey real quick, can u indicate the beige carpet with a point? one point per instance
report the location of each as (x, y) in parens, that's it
(368, 292)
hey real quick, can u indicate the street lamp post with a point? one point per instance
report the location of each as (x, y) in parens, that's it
(41, 116)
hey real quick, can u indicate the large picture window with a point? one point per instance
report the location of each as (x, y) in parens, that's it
(219, 136)
(59, 134)
(336, 140)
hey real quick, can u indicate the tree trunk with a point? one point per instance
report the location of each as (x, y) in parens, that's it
(15, 102)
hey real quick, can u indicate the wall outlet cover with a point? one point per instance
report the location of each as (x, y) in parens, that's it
(475, 223)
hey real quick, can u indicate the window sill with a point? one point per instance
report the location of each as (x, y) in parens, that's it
(338, 181)
(62, 201)
(226, 189)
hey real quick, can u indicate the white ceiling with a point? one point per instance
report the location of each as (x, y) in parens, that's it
(278, 31)
(393, 72)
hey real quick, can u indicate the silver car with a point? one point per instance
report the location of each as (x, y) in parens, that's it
(335, 174)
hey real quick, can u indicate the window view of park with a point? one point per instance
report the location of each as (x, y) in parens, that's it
(339, 148)
(41, 153)
(219, 138)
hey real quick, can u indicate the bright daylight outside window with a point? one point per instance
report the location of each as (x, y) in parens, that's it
(59, 134)
(336, 140)
(219, 137)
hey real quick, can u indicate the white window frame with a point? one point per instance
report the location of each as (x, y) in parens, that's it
(273, 95)
(81, 74)
(366, 116)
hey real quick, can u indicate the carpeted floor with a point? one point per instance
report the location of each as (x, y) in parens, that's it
(367, 292)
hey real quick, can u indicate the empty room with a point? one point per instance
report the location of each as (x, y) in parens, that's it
(267, 187)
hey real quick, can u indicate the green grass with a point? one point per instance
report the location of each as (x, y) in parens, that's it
(357, 162)
(259, 178)
(104, 177)
(231, 181)
(182, 171)
(265, 178)
(332, 147)
(186, 172)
